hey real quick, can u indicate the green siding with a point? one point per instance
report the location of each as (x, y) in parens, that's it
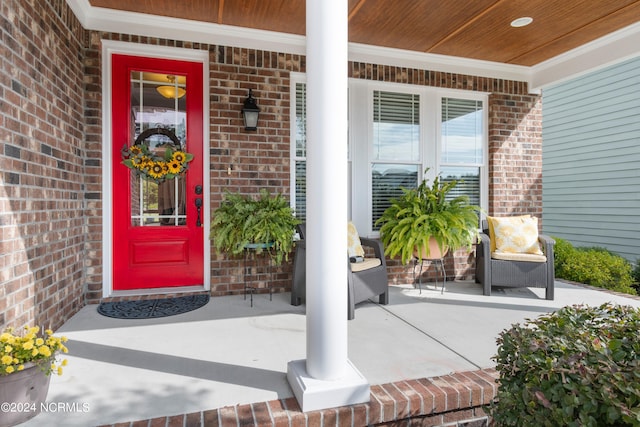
(591, 159)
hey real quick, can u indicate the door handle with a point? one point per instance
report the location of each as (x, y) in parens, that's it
(198, 207)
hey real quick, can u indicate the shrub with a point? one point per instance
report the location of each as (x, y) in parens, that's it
(593, 266)
(562, 251)
(579, 366)
(636, 274)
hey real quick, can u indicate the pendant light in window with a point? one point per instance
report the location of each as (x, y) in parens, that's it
(171, 91)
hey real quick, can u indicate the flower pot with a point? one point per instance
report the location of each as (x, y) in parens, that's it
(22, 393)
(434, 251)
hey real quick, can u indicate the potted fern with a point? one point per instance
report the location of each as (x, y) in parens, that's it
(425, 223)
(265, 223)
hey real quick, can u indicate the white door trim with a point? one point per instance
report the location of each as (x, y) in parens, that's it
(110, 47)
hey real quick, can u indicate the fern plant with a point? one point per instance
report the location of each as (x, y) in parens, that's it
(424, 213)
(267, 222)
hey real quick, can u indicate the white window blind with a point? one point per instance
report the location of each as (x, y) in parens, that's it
(462, 146)
(396, 148)
(396, 126)
(300, 185)
(462, 131)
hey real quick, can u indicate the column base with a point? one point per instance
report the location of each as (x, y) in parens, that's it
(314, 394)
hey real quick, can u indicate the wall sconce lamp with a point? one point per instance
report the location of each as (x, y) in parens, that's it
(250, 112)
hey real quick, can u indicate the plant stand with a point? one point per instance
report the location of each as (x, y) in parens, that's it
(250, 251)
(438, 262)
(22, 394)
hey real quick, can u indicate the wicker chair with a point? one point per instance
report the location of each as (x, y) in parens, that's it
(361, 285)
(519, 274)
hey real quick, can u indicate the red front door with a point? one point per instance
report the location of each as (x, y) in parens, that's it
(158, 235)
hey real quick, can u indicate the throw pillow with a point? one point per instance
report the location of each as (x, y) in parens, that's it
(518, 234)
(355, 246)
(492, 235)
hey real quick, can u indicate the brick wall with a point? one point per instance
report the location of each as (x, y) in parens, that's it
(456, 400)
(51, 149)
(42, 157)
(243, 161)
(515, 154)
(261, 159)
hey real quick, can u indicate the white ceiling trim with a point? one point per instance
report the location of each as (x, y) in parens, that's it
(435, 62)
(603, 52)
(607, 50)
(140, 24)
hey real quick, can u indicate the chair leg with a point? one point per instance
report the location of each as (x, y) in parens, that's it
(294, 299)
(549, 292)
(487, 289)
(384, 298)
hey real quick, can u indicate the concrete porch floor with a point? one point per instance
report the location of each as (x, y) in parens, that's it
(228, 353)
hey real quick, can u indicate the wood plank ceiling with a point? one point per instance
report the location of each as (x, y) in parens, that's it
(476, 29)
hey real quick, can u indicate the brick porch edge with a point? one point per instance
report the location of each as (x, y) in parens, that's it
(450, 400)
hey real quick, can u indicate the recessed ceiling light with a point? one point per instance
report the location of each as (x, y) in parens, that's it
(521, 22)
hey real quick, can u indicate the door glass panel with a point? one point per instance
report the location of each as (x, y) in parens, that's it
(158, 117)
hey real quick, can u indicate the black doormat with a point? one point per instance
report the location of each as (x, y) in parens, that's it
(147, 309)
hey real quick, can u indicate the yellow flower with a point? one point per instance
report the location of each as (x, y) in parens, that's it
(174, 167)
(15, 351)
(179, 156)
(45, 351)
(157, 170)
(59, 370)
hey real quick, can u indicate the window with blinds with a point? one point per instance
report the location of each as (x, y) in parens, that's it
(396, 148)
(462, 131)
(468, 182)
(396, 126)
(403, 133)
(301, 120)
(300, 185)
(462, 141)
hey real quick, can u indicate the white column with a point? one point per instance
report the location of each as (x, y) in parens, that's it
(327, 378)
(326, 188)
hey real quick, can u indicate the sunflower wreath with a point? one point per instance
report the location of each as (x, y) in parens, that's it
(157, 168)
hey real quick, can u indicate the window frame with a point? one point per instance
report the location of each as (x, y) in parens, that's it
(360, 140)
